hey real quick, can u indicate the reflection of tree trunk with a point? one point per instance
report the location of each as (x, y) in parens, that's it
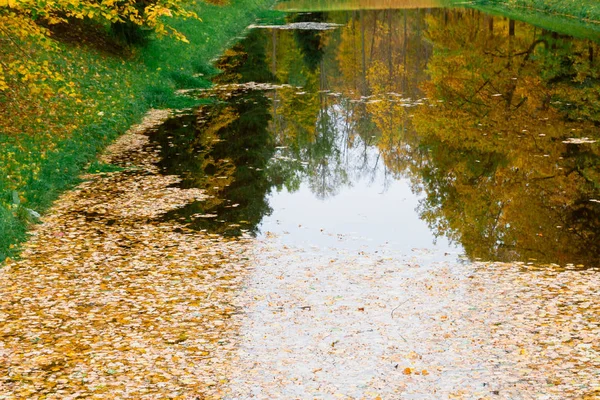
(373, 36)
(490, 24)
(511, 35)
(390, 46)
(357, 85)
(513, 85)
(323, 80)
(274, 61)
(390, 69)
(591, 53)
(404, 51)
(418, 41)
(274, 71)
(363, 53)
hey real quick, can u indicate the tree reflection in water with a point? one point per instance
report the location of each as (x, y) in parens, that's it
(224, 148)
(476, 111)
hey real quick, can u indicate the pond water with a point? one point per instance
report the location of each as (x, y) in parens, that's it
(439, 133)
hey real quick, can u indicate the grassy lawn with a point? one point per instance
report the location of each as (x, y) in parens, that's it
(578, 19)
(583, 10)
(46, 140)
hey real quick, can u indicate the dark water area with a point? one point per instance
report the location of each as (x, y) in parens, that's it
(436, 132)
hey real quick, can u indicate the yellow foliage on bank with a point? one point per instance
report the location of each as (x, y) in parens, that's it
(26, 22)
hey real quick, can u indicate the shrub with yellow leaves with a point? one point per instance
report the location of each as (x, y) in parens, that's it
(26, 21)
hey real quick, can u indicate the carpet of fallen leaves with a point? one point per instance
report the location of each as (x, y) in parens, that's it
(337, 323)
(109, 302)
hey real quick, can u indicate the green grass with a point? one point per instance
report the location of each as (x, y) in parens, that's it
(579, 19)
(582, 10)
(344, 5)
(46, 143)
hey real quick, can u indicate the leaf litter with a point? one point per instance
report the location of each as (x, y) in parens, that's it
(110, 300)
(333, 323)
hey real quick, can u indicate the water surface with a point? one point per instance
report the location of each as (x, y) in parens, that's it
(368, 151)
(443, 132)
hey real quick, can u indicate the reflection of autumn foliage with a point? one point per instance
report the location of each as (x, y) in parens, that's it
(500, 178)
(349, 56)
(382, 54)
(475, 110)
(294, 115)
(390, 119)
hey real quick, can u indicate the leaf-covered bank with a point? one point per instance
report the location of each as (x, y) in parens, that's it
(48, 137)
(134, 307)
